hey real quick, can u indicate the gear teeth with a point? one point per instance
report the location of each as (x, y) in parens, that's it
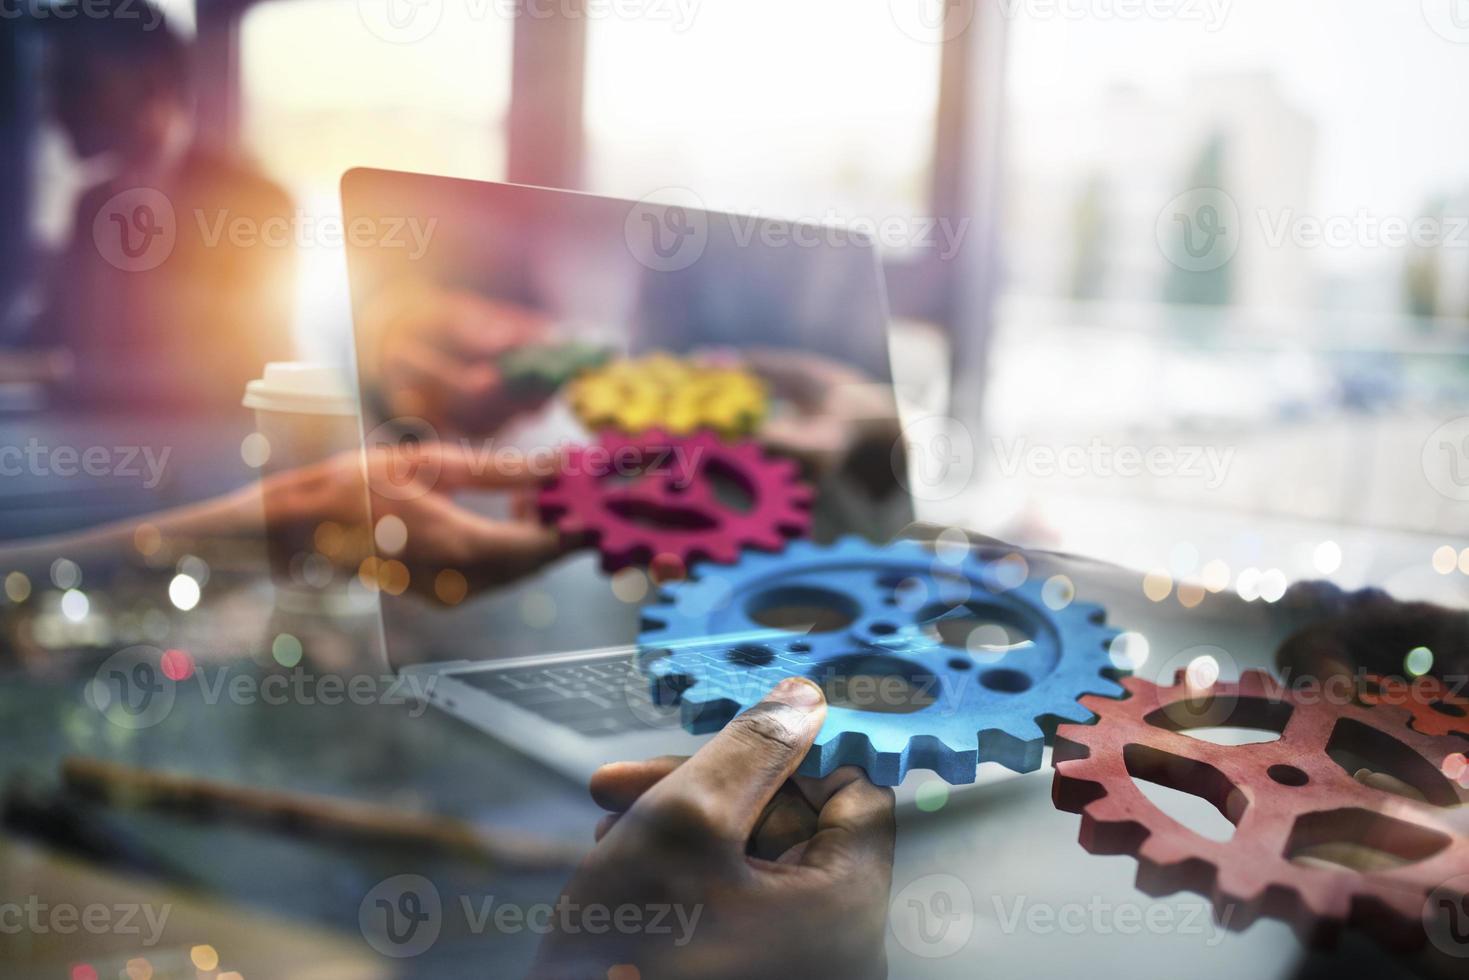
(951, 739)
(1019, 750)
(1249, 876)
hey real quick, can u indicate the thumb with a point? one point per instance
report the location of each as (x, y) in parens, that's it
(728, 783)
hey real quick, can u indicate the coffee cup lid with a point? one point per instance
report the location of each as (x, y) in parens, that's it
(300, 387)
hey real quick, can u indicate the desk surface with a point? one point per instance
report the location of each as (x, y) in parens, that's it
(1040, 905)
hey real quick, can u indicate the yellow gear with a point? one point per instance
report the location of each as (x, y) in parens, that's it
(677, 395)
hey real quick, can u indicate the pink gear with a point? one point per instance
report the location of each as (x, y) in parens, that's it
(666, 512)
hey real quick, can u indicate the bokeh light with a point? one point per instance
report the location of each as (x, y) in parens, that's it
(183, 592)
(1058, 592)
(17, 587)
(1418, 662)
(630, 585)
(204, 957)
(147, 539)
(1128, 650)
(1215, 576)
(391, 534)
(1202, 672)
(450, 587)
(932, 795)
(255, 450)
(177, 665)
(65, 573)
(1248, 584)
(393, 577)
(286, 650)
(1190, 594)
(1272, 585)
(75, 605)
(1327, 557)
(1157, 585)
(1445, 559)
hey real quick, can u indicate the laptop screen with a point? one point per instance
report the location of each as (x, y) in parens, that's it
(451, 278)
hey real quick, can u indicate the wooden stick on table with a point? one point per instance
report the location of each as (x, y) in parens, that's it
(310, 814)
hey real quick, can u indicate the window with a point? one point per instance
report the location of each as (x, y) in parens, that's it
(822, 109)
(323, 93)
(328, 85)
(1241, 226)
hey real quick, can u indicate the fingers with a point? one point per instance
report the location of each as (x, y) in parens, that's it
(857, 825)
(724, 788)
(503, 552)
(447, 467)
(618, 785)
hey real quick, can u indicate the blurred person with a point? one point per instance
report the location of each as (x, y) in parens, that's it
(177, 283)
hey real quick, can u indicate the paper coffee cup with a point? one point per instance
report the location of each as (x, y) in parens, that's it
(306, 415)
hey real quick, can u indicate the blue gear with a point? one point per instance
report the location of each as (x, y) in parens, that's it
(704, 650)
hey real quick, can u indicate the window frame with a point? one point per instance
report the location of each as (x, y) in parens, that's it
(547, 83)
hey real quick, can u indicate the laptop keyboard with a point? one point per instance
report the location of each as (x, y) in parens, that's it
(595, 697)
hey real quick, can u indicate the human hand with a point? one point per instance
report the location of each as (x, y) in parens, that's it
(415, 484)
(433, 355)
(771, 875)
(835, 413)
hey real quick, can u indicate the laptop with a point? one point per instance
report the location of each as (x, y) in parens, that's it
(546, 664)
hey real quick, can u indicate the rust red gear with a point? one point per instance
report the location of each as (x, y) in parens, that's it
(1437, 708)
(1285, 797)
(653, 499)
